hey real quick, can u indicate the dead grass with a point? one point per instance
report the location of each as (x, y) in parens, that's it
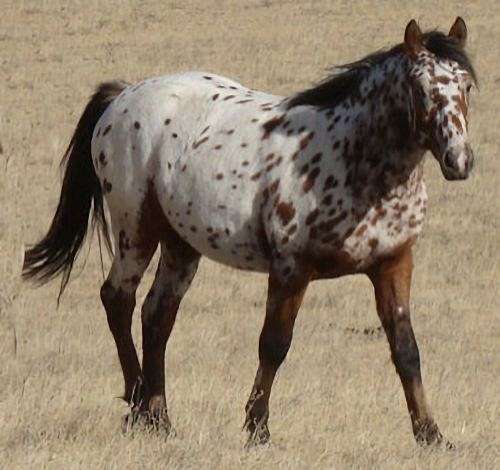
(337, 402)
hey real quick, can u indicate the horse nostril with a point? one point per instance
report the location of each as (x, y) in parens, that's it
(448, 160)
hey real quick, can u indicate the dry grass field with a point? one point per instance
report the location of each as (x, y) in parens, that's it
(337, 402)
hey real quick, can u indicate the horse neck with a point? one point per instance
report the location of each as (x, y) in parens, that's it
(382, 154)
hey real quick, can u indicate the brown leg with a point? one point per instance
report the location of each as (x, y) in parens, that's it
(118, 297)
(176, 269)
(283, 302)
(391, 280)
(119, 306)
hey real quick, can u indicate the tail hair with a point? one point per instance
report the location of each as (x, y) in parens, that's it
(80, 202)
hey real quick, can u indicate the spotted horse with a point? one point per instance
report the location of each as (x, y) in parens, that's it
(324, 183)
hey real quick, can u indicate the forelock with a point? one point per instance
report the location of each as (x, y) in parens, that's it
(448, 48)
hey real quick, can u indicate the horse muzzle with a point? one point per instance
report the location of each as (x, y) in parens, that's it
(456, 163)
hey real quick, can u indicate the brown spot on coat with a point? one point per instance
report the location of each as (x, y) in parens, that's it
(201, 141)
(312, 216)
(272, 124)
(360, 230)
(311, 178)
(286, 212)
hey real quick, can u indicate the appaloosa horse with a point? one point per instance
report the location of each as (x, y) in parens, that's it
(321, 184)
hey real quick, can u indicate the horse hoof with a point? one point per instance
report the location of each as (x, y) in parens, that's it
(160, 422)
(429, 435)
(258, 435)
(133, 420)
(143, 419)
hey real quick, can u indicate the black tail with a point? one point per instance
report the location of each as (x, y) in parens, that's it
(81, 191)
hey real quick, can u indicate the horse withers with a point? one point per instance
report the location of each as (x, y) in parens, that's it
(321, 184)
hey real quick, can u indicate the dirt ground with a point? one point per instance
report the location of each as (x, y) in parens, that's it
(337, 402)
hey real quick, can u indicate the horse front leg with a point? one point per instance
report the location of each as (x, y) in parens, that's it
(392, 280)
(285, 295)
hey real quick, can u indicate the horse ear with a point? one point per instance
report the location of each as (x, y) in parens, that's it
(413, 35)
(459, 31)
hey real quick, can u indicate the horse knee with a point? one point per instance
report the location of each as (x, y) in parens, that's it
(274, 348)
(118, 304)
(406, 356)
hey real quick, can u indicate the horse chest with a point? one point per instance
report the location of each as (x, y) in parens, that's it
(353, 237)
(386, 227)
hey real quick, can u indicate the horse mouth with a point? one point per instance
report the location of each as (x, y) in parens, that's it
(450, 174)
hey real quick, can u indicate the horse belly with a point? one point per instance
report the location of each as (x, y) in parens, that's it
(220, 225)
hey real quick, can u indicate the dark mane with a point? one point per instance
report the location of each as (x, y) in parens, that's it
(344, 84)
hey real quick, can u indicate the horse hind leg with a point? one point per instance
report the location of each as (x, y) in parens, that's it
(134, 251)
(176, 269)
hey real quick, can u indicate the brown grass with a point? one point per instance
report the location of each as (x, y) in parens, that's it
(337, 401)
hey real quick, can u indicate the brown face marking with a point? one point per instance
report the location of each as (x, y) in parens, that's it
(286, 212)
(461, 103)
(442, 79)
(457, 123)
